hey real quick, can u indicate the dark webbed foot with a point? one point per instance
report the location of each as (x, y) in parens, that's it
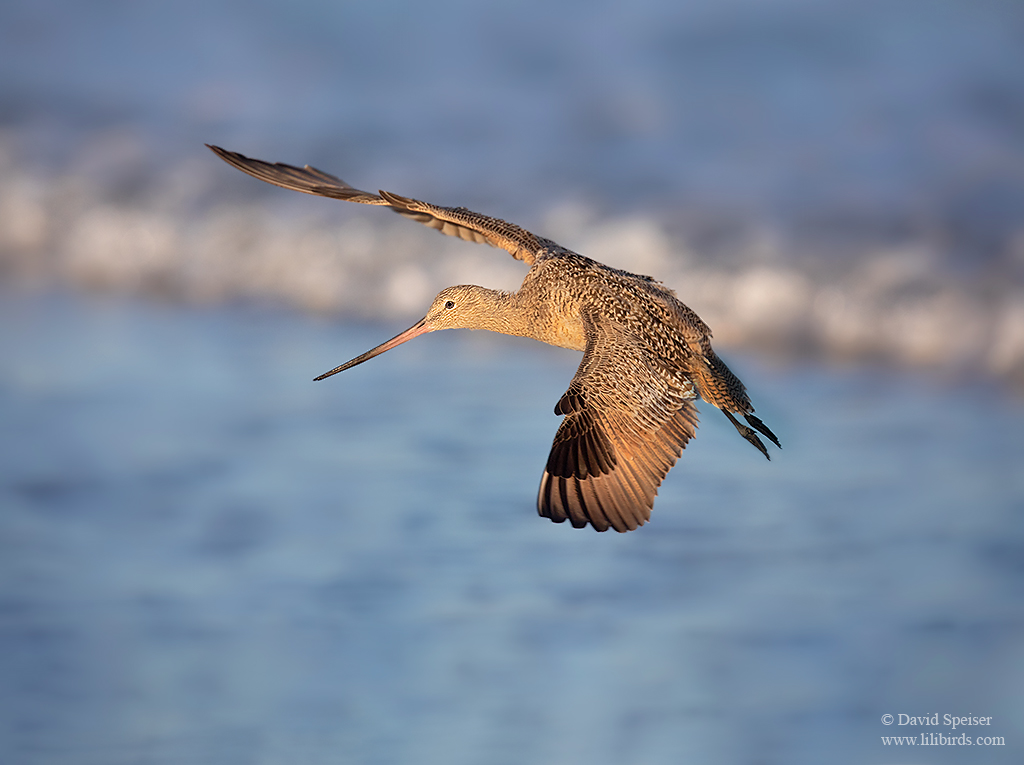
(750, 435)
(763, 429)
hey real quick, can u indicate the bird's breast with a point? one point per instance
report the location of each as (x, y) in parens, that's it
(564, 331)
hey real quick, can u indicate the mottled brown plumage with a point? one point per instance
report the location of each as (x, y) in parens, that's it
(646, 356)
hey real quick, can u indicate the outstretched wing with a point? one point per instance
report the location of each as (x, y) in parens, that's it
(626, 423)
(453, 221)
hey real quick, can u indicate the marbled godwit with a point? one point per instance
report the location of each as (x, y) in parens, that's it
(646, 356)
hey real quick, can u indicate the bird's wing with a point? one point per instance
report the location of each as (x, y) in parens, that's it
(453, 221)
(626, 423)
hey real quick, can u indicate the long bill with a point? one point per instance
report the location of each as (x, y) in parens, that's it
(419, 328)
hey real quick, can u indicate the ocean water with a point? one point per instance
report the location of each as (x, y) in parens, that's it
(837, 179)
(208, 558)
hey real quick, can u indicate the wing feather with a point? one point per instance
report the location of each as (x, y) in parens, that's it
(626, 423)
(453, 221)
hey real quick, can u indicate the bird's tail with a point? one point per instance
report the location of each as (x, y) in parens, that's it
(720, 387)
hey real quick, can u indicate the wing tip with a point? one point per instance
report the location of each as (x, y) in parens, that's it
(591, 502)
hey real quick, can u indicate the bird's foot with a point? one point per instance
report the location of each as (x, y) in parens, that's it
(749, 434)
(763, 429)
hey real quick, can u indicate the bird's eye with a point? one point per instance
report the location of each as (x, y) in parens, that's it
(449, 305)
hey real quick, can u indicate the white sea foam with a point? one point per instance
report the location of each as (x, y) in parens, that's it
(811, 177)
(895, 303)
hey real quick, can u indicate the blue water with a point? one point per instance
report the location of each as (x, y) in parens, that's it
(839, 179)
(208, 558)
(903, 113)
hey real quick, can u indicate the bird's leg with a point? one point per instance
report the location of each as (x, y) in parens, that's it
(747, 433)
(763, 429)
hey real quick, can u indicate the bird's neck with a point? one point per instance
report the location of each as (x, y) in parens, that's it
(500, 311)
(512, 313)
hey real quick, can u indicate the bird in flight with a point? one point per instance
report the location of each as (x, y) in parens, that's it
(629, 409)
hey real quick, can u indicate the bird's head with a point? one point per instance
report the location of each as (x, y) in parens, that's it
(465, 306)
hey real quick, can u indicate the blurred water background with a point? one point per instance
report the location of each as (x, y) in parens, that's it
(206, 558)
